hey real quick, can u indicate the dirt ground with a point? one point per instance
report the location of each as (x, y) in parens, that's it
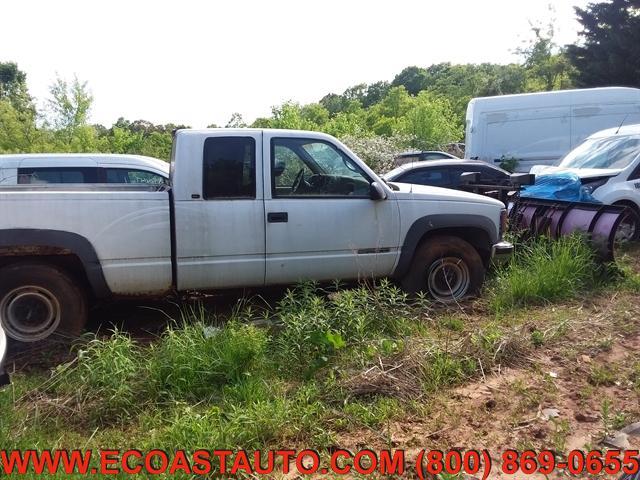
(576, 395)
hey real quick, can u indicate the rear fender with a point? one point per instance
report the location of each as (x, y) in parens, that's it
(24, 242)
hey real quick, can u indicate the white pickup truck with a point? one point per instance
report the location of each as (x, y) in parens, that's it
(244, 208)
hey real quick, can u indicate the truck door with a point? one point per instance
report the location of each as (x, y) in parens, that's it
(219, 212)
(321, 222)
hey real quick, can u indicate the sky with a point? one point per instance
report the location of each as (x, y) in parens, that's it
(195, 62)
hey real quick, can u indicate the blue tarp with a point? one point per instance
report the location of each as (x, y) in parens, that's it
(563, 186)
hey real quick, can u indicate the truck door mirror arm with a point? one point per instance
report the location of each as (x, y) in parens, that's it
(377, 192)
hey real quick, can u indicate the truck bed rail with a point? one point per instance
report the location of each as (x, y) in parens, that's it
(85, 187)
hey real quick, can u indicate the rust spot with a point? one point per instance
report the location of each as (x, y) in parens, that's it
(23, 250)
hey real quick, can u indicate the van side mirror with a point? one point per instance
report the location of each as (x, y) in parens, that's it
(377, 192)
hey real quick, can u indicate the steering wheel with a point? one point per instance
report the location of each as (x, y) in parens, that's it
(298, 181)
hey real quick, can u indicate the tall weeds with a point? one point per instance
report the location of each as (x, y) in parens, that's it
(545, 271)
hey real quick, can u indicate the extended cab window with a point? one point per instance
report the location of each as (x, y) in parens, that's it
(125, 175)
(41, 175)
(229, 167)
(308, 167)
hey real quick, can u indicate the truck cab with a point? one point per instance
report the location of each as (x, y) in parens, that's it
(294, 203)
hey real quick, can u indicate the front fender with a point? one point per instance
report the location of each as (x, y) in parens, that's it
(480, 231)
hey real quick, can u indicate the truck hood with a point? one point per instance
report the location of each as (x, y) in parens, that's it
(580, 172)
(407, 191)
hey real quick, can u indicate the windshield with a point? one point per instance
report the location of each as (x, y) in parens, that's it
(610, 152)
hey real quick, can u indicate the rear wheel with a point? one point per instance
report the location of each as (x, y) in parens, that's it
(38, 301)
(447, 268)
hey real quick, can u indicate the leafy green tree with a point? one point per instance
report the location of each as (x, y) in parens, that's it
(347, 123)
(69, 106)
(430, 122)
(13, 88)
(609, 51)
(375, 93)
(334, 103)
(357, 92)
(547, 66)
(315, 113)
(411, 78)
(288, 115)
(236, 121)
(14, 136)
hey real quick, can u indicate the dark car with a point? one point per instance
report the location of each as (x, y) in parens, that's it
(409, 157)
(446, 173)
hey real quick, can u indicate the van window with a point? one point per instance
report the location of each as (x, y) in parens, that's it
(41, 175)
(125, 175)
(229, 167)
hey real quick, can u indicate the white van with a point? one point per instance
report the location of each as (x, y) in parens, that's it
(540, 128)
(38, 168)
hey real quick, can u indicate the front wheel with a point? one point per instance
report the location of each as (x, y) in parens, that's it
(447, 268)
(629, 228)
(38, 301)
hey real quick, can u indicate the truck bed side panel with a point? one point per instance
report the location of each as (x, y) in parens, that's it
(130, 231)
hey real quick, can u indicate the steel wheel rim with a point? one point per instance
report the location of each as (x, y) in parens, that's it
(448, 279)
(29, 313)
(626, 230)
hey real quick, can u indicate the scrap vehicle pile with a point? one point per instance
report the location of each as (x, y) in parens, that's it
(594, 189)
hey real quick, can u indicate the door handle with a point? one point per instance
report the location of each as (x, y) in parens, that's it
(277, 217)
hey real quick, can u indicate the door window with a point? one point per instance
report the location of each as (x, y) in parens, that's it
(229, 167)
(125, 175)
(57, 175)
(431, 176)
(307, 167)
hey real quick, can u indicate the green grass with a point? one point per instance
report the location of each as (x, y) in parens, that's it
(193, 361)
(546, 271)
(297, 373)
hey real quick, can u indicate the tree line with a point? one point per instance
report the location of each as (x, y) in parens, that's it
(422, 107)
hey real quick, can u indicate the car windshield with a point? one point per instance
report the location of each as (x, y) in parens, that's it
(610, 152)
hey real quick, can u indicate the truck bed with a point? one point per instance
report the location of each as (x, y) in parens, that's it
(128, 226)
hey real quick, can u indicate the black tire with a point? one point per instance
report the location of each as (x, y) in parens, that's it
(447, 268)
(40, 301)
(631, 222)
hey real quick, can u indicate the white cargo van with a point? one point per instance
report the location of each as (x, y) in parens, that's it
(540, 128)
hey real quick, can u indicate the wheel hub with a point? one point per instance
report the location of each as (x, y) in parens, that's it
(29, 313)
(626, 230)
(448, 279)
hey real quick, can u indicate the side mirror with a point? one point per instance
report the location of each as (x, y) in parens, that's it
(377, 192)
(469, 177)
(278, 168)
(522, 178)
